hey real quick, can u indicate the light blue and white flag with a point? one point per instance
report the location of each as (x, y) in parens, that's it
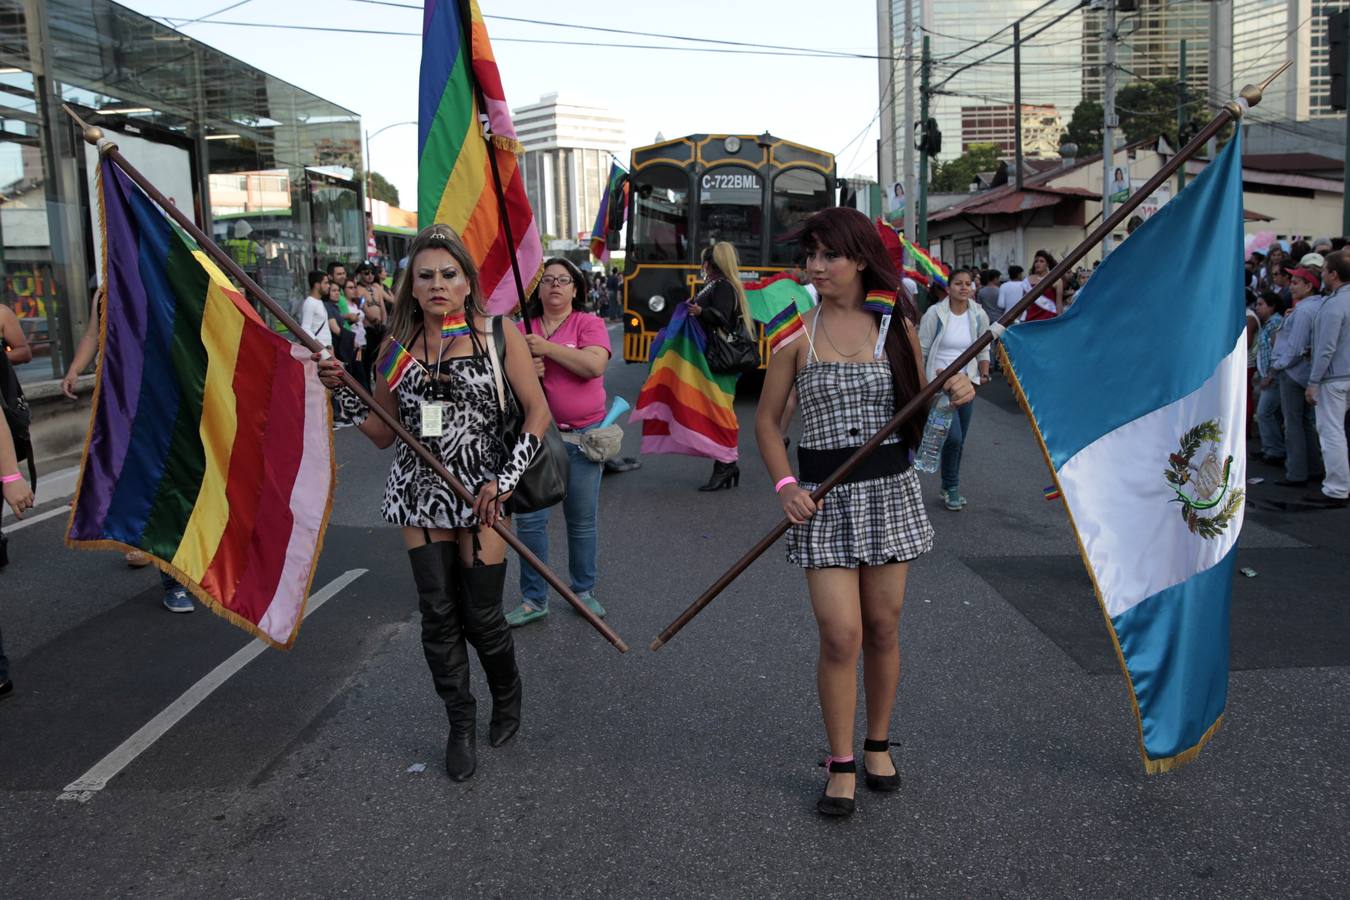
(1138, 396)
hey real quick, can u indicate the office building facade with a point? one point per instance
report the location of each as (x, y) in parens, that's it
(569, 146)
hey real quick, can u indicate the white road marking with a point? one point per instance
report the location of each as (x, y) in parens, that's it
(56, 486)
(14, 525)
(97, 778)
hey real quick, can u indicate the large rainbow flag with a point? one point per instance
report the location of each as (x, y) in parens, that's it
(455, 184)
(210, 446)
(616, 192)
(683, 406)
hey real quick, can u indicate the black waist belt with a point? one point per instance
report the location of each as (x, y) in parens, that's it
(817, 465)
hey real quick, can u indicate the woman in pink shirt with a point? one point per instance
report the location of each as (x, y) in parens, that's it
(571, 350)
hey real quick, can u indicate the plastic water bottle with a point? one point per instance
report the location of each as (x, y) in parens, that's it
(934, 435)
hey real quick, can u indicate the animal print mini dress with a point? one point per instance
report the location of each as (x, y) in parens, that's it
(470, 445)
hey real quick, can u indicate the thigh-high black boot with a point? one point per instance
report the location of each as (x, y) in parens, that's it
(447, 654)
(487, 630)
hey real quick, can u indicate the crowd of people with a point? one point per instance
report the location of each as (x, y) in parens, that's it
(1298, 335)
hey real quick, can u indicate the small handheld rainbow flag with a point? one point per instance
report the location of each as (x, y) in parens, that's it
(394, 363)
(880, 301)
(783, 327)
(453, 326)
(1051, 493)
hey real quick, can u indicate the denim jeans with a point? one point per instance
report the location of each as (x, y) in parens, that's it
(1303, 455)
(580, 510)
(1332, 398)
(1268, 420)
(951, 450)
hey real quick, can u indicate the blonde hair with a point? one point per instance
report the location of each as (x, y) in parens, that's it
(723, 257)
(407, 317)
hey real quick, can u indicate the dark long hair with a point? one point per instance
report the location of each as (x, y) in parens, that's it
(850, 233)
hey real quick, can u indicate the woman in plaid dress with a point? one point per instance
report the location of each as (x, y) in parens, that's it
(856, 544)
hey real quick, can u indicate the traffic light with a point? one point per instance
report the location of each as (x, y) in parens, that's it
(1337, 26)
(930, 138)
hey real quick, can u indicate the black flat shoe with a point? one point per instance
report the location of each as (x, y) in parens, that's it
(1284, 482)
(837, 807)
(884, 783)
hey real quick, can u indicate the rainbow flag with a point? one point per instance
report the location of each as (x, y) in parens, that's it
(1051, 492)
(455, 184)
(394, 363)
(210, 446)
(770, 296)
(616, 191)
(683, 406)
(783, 328)
(934, 271)
(880, 301)
(453, 326)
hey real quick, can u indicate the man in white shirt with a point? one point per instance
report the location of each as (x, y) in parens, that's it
(1012, 290)
(313, 314)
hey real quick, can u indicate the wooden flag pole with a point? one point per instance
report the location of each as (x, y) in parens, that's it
(107, 148)
(485, 123)
(1232, 111)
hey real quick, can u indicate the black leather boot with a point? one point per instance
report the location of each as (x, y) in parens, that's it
(724, 475)
(485, 625)
(446, 652)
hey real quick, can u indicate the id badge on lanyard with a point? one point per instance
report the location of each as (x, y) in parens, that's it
(433, 419)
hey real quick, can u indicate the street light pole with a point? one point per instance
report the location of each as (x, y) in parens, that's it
(370, 207)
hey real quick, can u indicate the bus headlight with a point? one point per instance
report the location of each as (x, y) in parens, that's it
(656, 303)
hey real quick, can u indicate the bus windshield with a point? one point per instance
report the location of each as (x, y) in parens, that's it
(729, 209)
(797, 193)
(661, 215)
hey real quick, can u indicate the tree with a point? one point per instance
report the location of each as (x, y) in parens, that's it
(381, 189)
(1149, 108)
(957, 174)
(1085, 128)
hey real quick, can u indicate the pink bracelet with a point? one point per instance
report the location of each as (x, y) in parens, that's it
(10, 479)
(778, 488)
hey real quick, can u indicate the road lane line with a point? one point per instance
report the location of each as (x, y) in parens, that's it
(13, 525)
(97, 778)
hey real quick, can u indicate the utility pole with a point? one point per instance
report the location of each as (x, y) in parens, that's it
(1017, 100)
(1181, 114)
(1110, 121)
(922, 225)
(909, 118)
(886, 89)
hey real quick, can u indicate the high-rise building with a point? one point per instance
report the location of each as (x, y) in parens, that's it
(1149, 45)
(569, 145)
(1267, 32)
(970, 44)
(1042, 127)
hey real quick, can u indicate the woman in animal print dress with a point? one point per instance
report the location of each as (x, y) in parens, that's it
(446, 394)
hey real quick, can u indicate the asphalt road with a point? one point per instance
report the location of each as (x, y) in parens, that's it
(691, 771)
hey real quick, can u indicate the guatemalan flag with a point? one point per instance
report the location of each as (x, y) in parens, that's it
(1137, 394)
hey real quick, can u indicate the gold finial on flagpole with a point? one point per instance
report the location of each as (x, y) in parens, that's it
(92, 133)
(1251, 94)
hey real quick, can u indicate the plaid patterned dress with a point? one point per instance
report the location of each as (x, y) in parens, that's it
(862, 523)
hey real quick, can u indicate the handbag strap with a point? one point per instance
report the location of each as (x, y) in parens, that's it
(497, 350)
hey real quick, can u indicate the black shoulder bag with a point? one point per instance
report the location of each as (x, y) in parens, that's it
(544, 482)
(729, 350)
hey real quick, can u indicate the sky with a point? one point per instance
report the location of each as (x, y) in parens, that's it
(827, 103)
